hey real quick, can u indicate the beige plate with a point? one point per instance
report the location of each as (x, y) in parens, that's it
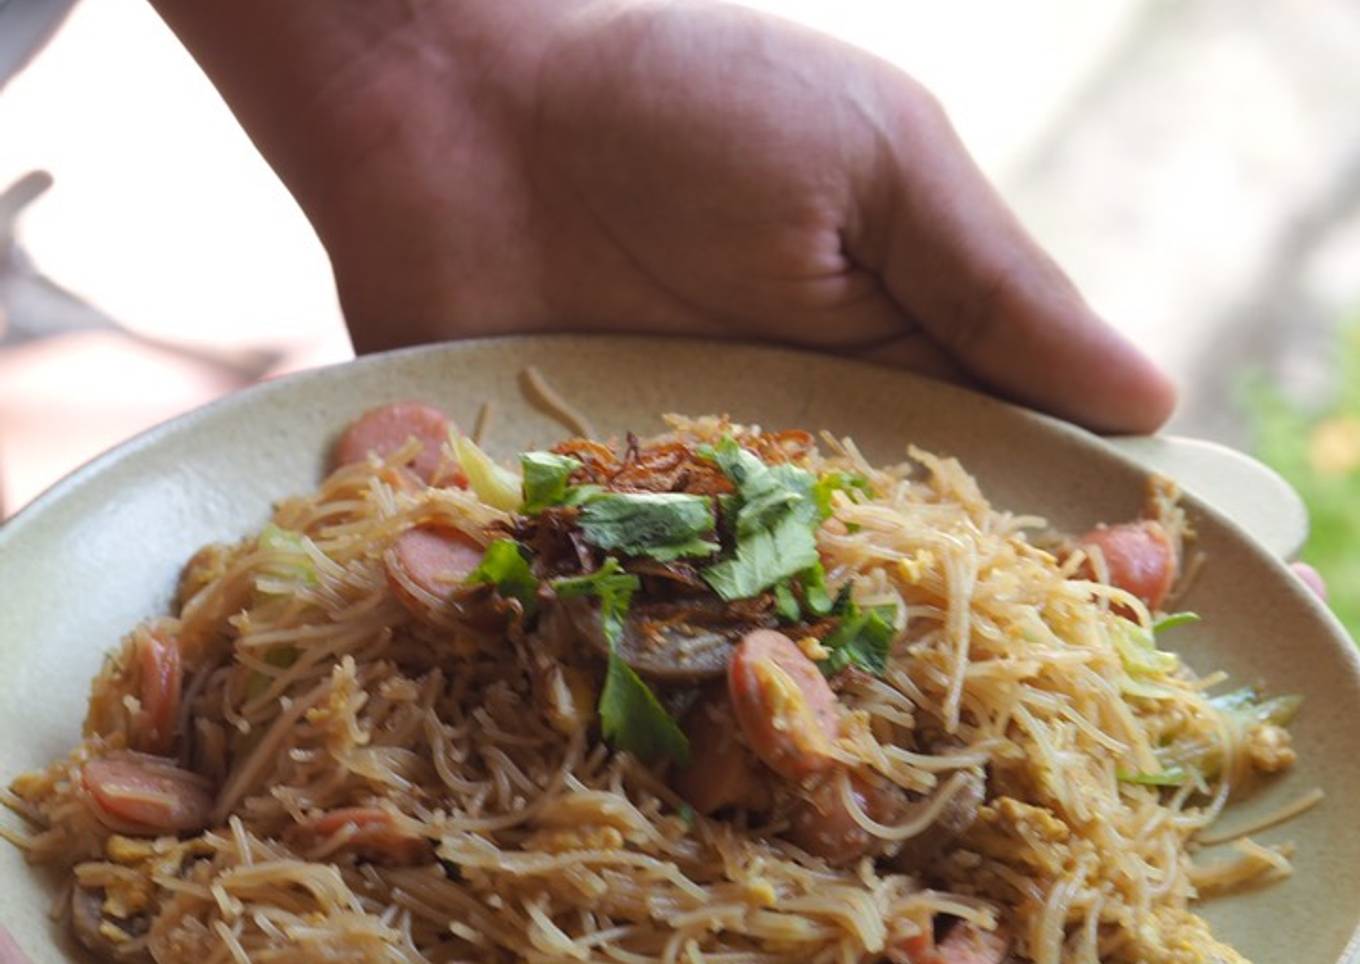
(102, 549)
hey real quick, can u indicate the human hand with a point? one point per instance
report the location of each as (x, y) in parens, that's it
(10, 952)
(686, 167)
(1310, 578)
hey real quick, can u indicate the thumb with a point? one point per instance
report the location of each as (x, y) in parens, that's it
(958, 261)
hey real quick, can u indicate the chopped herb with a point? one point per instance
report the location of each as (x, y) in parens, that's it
(1170, 777)
(768, 492)
(686, 813)
(663, 525)
(837, 482)
(1174, 620)
(612, 586)
(1247, 705)
(631, 716)
(803, 596)
(843, 603)
(1139, 653)
(633, 719)
(546, 475)
(769, 496)
(496, 486)
(578, 495)
(816, 599)
(728, 504)
(774, 523)
(785, 602)
(504, 566)
(1245, 709)
(863, 639)
(1146, 689)
(763, 559)
(1236, 700)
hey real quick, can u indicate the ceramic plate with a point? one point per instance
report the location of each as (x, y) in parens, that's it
(103, 548)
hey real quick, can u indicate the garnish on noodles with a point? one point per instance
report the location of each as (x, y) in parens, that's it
(718, 695)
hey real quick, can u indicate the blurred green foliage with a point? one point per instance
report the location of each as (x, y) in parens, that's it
(1318, 452)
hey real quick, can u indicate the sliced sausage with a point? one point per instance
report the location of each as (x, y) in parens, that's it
(147, 796)
(1140, 557)
(969, 944)
(954, 819)
(965, 943)
(785, 707)
(822, 825)
(376, 835)
(433, 560)
(386, 429)
(161, 682)
(721, 772)
(911, 950)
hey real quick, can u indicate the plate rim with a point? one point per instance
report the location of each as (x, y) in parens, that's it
(72, 483)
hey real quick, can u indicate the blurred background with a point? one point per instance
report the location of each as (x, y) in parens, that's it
(1194, 164)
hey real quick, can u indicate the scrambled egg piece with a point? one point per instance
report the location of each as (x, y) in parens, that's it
(337, 714)
(1012, 831)
(1027, 820)
(789, 710)
(1269, 748)
(128, 850)
(760, 892)
(813, 649)
(913, 570)
(556, 841)
(1181, 937)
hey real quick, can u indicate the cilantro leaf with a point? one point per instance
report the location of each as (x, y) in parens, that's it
(774, 523)
(803, 596)
(633, 719)
(1174, 620)
(545, 479)
(1170, 777)
(837, 482)
(631, 716)
(768, 492)
(579, 495)
(612, 586)
(663, 525)
(863, 639)
(763, 559)
(504, 566)
(842, 604)
(816, 598)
